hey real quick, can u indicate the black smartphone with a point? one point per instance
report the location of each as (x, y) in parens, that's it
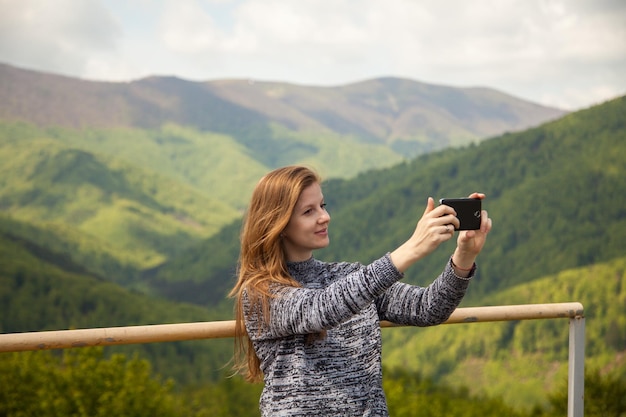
(468, 211)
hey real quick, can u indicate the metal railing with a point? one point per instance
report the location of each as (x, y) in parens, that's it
(63, 339)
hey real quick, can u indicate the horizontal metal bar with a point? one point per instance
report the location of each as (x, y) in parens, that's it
(62, 339)
(513, 312)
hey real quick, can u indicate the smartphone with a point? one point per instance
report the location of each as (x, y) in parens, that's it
(468, 211)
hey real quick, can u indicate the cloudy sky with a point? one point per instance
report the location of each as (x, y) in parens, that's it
(565, 53)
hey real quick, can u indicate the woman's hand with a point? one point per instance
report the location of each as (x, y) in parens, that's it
(436, 226)
(471, 242)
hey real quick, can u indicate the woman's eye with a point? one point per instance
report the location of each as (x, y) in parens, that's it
(310, 210)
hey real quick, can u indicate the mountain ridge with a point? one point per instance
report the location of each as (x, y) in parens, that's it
(531, 178)
(555, 192)
(408, 116)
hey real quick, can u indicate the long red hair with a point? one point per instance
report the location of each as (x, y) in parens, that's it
(262, 262)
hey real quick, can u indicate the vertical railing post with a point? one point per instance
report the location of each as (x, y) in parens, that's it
(576, 365)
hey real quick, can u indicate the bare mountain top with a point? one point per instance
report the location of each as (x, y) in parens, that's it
(409, 116)
(387, 108)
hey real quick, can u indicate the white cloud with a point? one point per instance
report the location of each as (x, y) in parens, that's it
(186, 28)
(55, 36)
(565, 53)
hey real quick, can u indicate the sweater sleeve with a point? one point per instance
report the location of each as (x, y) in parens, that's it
(312, 310)
(423, 306)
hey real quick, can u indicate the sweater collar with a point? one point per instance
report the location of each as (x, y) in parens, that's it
(302, 271)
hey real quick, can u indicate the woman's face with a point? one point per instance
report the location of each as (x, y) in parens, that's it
(308, 226)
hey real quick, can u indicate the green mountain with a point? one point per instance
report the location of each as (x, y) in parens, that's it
(378, 122)
(557, 196)
(138, 212)
(555, 193)
(120, 205)
(147, 170)
(520, 361)
(41, 288)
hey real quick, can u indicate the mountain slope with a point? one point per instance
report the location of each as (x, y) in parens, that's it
(556, 194)
(135, 210)
(390, 110)
(406, 116)
(41, 289)
(531, 355)
(150, 194)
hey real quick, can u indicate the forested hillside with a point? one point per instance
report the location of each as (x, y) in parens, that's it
(138, 210)
(127, 223)
(460, 367)
(124, 177)
(43, 289)
(555, 194)
(531, 356)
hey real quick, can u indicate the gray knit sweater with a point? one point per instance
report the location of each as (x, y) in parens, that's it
(339, 374)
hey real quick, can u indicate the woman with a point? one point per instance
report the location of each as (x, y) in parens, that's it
(311, 328)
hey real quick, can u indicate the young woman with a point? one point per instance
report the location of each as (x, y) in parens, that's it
(310, 329)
